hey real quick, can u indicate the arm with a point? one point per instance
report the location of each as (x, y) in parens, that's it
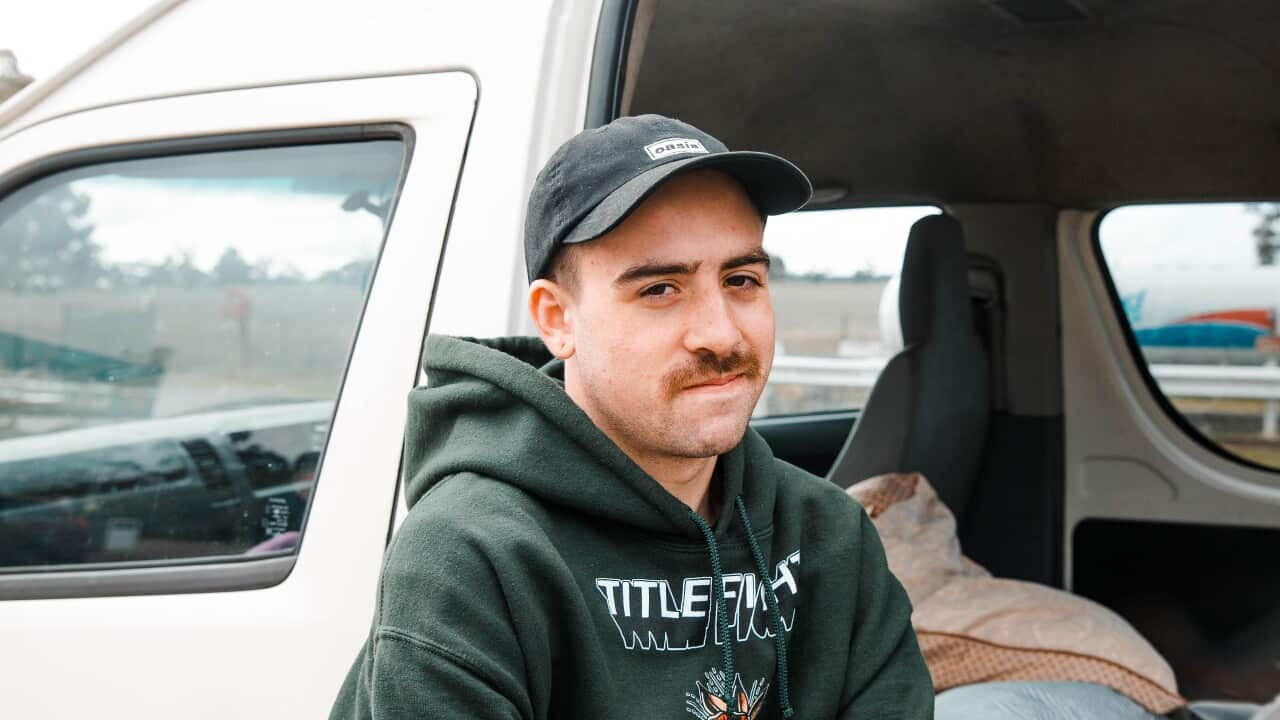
(444, 642)
(887, 678)
(406, 677)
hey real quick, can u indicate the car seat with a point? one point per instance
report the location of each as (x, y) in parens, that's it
(929, 409)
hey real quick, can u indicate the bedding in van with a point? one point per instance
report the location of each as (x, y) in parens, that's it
(976, 628)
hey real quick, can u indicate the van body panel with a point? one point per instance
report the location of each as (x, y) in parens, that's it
(167, 654)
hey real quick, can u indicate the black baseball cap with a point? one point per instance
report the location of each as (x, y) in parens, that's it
(594, 180)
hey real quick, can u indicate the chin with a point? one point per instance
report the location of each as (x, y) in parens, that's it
(709, 439)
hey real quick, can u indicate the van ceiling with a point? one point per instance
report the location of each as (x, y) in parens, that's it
(1077, 103)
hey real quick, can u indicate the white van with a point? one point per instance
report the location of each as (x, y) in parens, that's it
(225, 232)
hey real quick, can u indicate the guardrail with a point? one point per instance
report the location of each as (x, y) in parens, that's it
(1242, 382)
(1219, 381)
(833, 372)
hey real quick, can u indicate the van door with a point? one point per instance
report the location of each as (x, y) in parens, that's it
(211, 310)
(1172, 503)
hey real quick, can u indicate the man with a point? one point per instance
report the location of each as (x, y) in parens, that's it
(594, 532)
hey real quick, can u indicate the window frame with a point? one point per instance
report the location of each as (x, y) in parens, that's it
(214, 572)
(1135, 349)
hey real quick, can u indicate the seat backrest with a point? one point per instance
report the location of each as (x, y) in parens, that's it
(929, 408)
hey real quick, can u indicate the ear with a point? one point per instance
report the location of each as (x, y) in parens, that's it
(550, 306)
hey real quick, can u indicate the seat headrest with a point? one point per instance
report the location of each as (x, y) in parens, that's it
(933, 294)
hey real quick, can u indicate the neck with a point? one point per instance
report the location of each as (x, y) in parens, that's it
(687, 479)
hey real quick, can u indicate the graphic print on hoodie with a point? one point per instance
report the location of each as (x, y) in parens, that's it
(540, 573)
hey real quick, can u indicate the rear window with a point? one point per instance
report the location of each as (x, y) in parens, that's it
(828, 281)
(1198, 287)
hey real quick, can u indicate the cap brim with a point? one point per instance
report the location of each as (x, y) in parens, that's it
(775, 186)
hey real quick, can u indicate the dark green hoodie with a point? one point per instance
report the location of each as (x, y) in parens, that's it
(540, 573)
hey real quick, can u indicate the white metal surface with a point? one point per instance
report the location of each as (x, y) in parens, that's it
(281, 652)
(1125, 457)
(534, 76)
(221, 655)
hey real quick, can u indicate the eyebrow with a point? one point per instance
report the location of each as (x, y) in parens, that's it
(650, 269)
(654, 269)
(752, 258)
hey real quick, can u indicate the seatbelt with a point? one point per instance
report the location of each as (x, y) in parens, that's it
(986, 290)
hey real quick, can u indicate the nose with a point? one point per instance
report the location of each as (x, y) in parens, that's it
(712, 326)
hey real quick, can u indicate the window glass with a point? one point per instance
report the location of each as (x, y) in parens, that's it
(828, 278)
(173, 334)
(1199, 286)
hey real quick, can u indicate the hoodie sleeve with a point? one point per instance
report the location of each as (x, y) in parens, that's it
(886, 677)
(407, 677)
(444, 643)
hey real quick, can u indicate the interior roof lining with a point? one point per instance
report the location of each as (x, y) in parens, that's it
(933, 101)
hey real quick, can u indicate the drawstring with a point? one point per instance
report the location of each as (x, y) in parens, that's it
(722, 612)
(775, 615)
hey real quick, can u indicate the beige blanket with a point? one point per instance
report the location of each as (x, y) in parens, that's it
(975, 628)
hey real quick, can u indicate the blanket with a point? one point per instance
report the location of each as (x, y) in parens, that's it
(974, 628)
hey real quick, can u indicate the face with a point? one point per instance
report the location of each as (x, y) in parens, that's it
(667, 329)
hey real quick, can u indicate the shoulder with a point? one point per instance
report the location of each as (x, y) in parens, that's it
(469, 511)
(796, 490)
(461, 548)
(817, 494)
(830, 519)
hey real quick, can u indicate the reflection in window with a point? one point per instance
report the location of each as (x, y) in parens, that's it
(827, 280)
(1199, 286)
(173, 333)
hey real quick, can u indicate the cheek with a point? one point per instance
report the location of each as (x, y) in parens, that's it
(757, 324)
(621, 353)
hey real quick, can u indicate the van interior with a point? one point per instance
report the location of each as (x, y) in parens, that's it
(1005, 114)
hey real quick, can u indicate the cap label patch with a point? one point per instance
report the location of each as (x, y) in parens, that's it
(674, 146)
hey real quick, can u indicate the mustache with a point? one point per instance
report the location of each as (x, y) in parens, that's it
(708, 366)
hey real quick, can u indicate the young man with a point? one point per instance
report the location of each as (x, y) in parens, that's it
(594, 531)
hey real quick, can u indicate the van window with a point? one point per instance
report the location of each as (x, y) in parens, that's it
(1199, 289)
(173, 336)
(827, 280)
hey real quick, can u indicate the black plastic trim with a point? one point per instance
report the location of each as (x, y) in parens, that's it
(609, 61)
(204, 574)
(810, 441)
(1135, 351)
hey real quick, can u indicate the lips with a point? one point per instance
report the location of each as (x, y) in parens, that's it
(716, 382)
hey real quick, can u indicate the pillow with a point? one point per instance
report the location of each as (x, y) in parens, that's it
(975, 628)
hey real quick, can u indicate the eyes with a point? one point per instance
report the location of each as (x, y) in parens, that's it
(741, 281)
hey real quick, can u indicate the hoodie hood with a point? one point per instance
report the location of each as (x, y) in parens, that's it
(498, 408)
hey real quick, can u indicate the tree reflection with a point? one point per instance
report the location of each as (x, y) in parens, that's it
(48, 244)
(1265, 233)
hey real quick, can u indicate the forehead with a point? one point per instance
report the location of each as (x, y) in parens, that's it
(704, 214)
